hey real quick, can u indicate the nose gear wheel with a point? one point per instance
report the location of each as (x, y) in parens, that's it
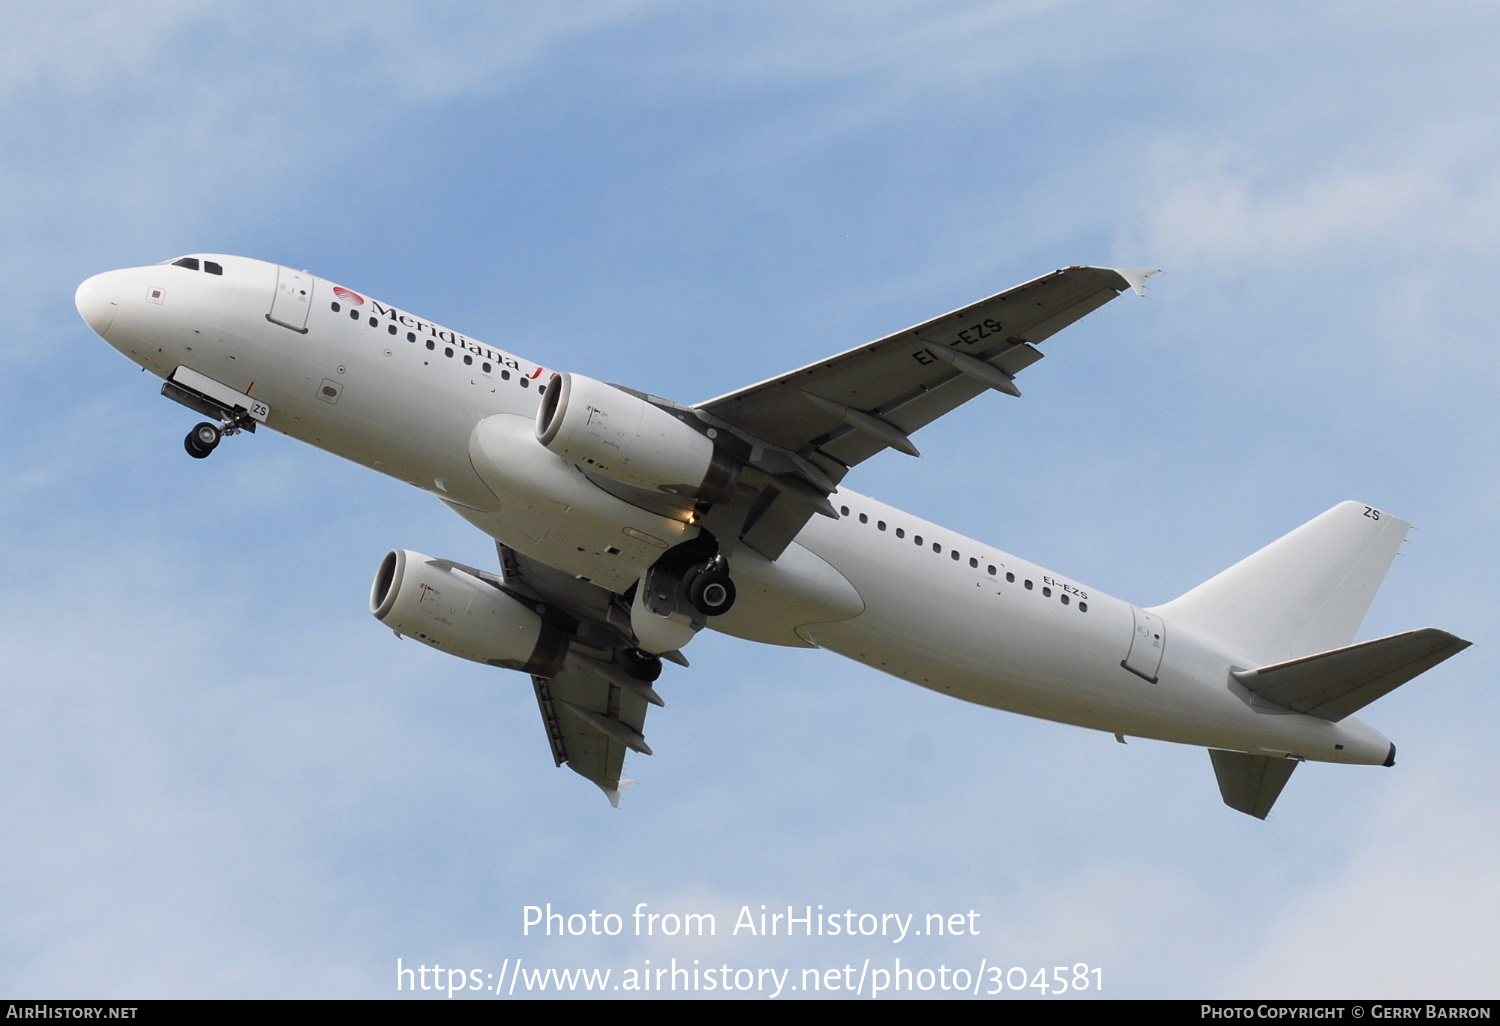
(202, 440)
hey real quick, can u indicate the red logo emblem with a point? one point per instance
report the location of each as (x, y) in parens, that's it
(346, 294)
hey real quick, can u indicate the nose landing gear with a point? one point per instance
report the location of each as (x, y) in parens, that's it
(202, 440)
(202, 394)
(205, 437)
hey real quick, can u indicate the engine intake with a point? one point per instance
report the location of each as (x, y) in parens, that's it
(442, 605)
(607, 430)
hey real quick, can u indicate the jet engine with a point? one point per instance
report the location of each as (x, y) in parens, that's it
(609, 431)
(456, 611)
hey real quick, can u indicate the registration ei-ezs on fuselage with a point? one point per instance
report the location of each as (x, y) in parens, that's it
(625, 523)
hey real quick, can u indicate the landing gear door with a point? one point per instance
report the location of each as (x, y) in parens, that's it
(1146, 645)
(292, 300)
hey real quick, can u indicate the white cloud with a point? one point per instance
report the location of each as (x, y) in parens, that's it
(1239, 209)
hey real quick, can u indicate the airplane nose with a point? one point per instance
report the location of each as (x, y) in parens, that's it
(96, 304)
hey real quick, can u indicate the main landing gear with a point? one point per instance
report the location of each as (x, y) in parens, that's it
(643, 666)
(205, 437)
(709, 588)
(679, 594)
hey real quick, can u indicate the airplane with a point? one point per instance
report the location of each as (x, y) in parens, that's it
(625, 523)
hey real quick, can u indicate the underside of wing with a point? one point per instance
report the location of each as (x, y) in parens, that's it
(591, 723)
(808, 427)
(909, 379)
(594, 707)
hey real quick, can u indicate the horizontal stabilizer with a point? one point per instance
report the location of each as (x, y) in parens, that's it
(1251, 783)
(1332, 685)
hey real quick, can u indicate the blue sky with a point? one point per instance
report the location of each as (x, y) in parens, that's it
(223, 778)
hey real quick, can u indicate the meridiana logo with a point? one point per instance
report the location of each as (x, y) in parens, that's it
(349, 295)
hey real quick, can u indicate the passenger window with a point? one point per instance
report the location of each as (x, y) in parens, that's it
(505, 375)
(191, 263)
(900, 532)
(843, 511)
(992, 571)
(1028, 585)
(1064, 599)
(468, 360)
(1010, 578)
(917, 539)
(525, 382)
(937, 547)
(448, 351)
(880, 525)
(431, 344)
(374, 322)
(391, 328)
(973, 562)
(411, 336)
(353, 314)
(955, 555)
(212, 268)
(486, 368)
(335, 306)
(864, 518)
(1046, 593)
(1083, 607)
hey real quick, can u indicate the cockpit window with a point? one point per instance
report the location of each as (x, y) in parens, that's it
(191, 263)
(212, 268)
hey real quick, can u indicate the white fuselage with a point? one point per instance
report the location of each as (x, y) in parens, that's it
(406, 397)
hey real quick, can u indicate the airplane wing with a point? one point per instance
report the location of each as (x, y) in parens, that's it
(592, 712)
(838, 412)
(591, 722)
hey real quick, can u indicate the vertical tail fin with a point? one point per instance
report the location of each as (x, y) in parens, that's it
(1306, 592)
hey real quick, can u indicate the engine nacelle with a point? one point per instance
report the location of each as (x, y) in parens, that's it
(455, 612)
(601, 428)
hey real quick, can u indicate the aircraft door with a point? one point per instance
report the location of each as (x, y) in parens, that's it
(292, 300)
(1146, 645)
